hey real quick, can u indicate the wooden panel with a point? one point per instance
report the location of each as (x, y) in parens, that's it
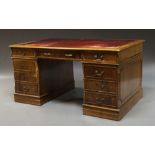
(100, 72)
(55, 76)
(29, 76)
(130, 78)
(102, 112)
(130, 52)
(100, 86)
(21, 64)
(100, 99)
(26, 88)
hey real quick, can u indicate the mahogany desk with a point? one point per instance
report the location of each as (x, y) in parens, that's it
(112, 69)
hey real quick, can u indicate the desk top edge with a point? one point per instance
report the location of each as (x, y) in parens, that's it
(31, 44)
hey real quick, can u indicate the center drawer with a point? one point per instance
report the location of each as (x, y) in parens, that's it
(100, 85)
(59, 54)
(100, 72)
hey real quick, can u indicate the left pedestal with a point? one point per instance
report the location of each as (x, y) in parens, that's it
(40, 80)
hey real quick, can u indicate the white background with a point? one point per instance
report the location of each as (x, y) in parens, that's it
(80, 14)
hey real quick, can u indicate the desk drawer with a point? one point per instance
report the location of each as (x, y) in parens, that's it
(58, 54)
(100, 86)
(100, 72)
(28, 76)
(100, 57)
(24, 65)
(26, 88)
(98, 99)
(19, 52)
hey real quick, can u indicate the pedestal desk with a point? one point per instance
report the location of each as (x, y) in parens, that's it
(112, 71)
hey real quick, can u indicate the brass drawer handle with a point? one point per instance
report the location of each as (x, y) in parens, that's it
(96, 56)
(100, 99)
(47, 54)
(103, 85)
(69, 55)
(99, 56)
(99, 74)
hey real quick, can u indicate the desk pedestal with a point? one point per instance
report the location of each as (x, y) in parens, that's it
(38, 81)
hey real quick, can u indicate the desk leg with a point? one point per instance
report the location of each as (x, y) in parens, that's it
(38, 81)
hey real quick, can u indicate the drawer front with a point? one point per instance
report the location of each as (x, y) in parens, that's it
(100, 72)
(100, 86)
(24, 65)
(28, 76)
(100, 57)
(98, 99)
(19, 52)
(26, 88)
(59, 54)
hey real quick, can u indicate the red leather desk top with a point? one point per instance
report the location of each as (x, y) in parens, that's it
(80, 44)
